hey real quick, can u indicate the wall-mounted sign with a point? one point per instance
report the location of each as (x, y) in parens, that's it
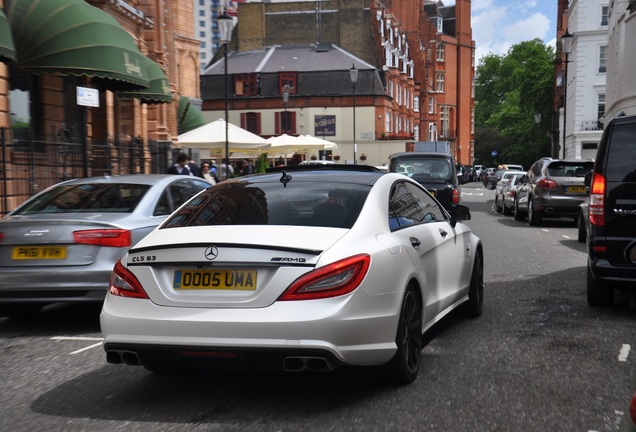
(87, 97)
(324, 126)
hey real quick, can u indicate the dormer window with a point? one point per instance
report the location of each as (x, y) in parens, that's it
(440, 24)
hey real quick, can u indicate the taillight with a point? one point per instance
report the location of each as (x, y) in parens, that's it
(597, 200)
(105, 237)
(336, 279)
(547, 184)
(455, 196)
(125, 284)
(1, 237)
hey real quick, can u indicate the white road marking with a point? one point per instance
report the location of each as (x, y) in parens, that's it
(80, 338)
(87, 348)
(566, 236)
(545, 230)
(624, 353)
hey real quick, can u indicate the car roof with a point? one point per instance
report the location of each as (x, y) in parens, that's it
(144, 179)
(360, 174)
(421, 154)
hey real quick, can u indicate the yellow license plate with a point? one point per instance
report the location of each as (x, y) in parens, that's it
(576, 189)
(39, 253)
(215, 280)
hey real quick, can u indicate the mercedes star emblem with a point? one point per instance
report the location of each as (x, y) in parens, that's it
(211, 253)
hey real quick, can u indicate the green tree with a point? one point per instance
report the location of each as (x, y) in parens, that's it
(510, 90)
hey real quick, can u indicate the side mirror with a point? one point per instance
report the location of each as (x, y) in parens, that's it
(459, 212)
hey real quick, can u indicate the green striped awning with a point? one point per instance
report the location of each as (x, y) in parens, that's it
(71, 37)
(158, 90)
(7, 47)
(188, 116)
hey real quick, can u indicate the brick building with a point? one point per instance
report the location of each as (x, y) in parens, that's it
(422, 53)
(142, 60)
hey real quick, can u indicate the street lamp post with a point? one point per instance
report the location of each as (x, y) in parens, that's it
(566, 44)
(285, 122)
(225, 25)
(354, 77)
(537, 120)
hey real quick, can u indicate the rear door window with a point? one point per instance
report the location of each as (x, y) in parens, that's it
(622, 154)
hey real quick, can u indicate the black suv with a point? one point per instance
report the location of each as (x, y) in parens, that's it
(611, 240)
(435, 171)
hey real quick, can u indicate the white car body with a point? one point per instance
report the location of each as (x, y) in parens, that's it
(356, 328)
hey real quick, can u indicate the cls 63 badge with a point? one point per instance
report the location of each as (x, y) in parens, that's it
(144, 258)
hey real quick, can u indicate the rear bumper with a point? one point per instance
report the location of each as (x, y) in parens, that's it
(622, 278)
(53, 285)
(558, 206)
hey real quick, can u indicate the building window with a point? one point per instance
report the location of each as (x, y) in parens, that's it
(440, 82)
(604, 15)
(202, 34)
(445, 121)
(431, 105)
(246, 84)
(391, 88)
(201, 23)
(287, 79)
(416, 133)
(601, 107)
(602, 59)
(416, 104)
(472, 120)
(201, 2)
(285, 122)
(440, 52)
(387, 122)
(251, 121)
(440, 25)
(201, 13)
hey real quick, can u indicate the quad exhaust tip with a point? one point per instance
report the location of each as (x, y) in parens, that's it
(313, 364)
(130, 358)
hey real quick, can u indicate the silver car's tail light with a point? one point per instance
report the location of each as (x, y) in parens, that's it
(336, 279)
(105, 237)
(124, 284)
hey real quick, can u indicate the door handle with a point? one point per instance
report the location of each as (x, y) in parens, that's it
(443, 232)
(415, 242)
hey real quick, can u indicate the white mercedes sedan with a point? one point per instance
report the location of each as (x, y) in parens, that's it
(301, 268)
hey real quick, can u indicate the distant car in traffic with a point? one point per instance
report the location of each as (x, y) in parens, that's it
(61, 244)
(552, 188)
(298, 269)
(502, 187)
(435, 171)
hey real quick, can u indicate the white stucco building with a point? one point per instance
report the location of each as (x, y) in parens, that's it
(621, 58)
(588, 22)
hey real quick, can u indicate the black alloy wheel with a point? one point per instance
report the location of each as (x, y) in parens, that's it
(405, 365)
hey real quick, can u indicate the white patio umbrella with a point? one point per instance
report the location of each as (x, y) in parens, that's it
(212, 136)
(327, 145)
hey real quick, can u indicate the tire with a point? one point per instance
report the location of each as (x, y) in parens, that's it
(405, 365)
(20, 310)
(598, 295)
(534, 217)
(498, 209)
(475, 304)
(581, 228)
(518, 215)
(506, 211)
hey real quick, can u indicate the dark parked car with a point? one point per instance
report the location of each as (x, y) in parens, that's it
(552, 188)
(611, 236)
(435, 171)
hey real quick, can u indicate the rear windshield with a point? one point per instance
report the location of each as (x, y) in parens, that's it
(423, 170)
(622, 154)
(570, 169)
(249, 203)
(87, 198)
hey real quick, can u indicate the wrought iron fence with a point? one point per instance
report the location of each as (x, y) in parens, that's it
(30, 164)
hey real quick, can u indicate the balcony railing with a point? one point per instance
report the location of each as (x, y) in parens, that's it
(591, 125)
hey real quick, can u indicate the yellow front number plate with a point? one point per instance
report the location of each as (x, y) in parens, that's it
(39, 252)
(215, 279)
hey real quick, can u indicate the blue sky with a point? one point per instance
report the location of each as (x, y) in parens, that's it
(499, 24)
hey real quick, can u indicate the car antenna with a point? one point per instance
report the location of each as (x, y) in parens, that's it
(285, 178)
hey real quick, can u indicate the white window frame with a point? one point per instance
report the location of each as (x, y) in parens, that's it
(604, 16)
(416, 103)
(440, 78)
(602, 59)
(441, 52)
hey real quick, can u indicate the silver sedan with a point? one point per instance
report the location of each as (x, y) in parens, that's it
(61, 245)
